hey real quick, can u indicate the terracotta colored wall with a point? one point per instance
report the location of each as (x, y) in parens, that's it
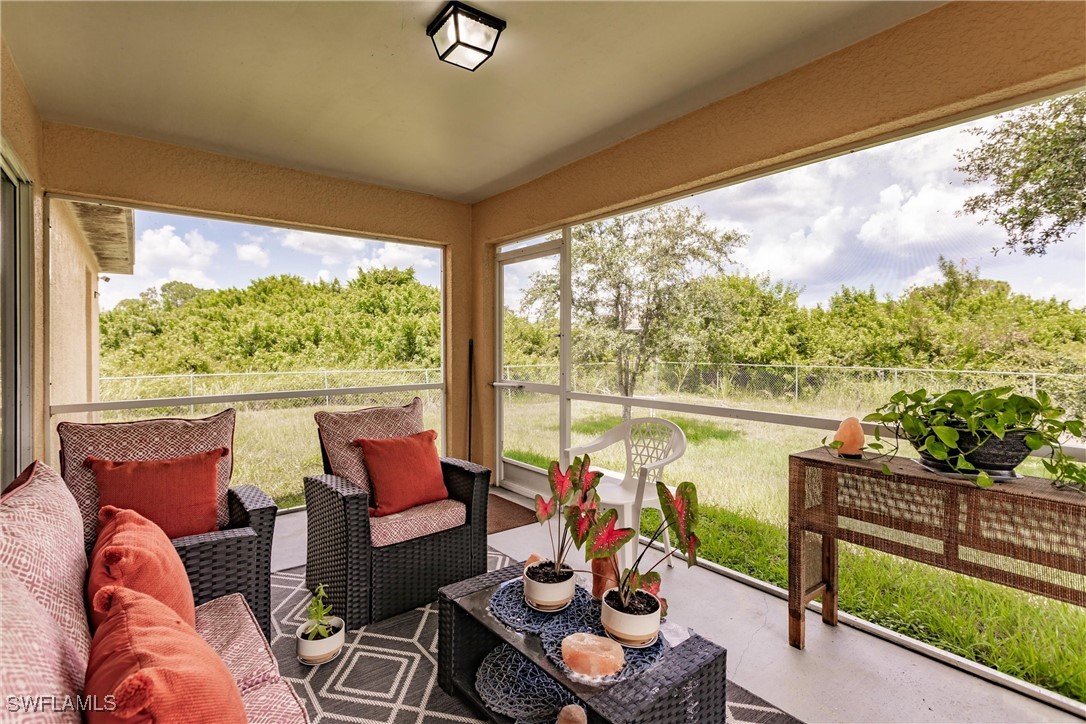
(21, 128)
(108, 166)
(958, 61)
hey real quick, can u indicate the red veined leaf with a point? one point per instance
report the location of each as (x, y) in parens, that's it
(579, 521)
(681, 512)
(651, 582)
(604, 540)
(561, 483)
(692, 550)
(544, 509)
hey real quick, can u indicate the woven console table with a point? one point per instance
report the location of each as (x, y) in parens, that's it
(1022, 533)
(686, 685)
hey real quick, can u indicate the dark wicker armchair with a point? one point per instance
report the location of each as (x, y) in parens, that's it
(236, 558)
(367, 582)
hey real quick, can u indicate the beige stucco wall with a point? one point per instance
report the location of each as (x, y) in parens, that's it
(21, 128)
(961, 60)
(73, 318)
(73, 290)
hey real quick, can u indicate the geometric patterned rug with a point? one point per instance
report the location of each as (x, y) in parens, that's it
(387, 672)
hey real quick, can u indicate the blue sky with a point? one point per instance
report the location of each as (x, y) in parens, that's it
(881, 217)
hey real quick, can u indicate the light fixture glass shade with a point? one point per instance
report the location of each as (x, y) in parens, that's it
(464, 36)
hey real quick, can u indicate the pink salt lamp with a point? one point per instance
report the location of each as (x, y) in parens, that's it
(591, 655)
(851, 436)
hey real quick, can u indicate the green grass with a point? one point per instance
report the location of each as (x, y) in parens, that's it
(531, 458)
(696, 431)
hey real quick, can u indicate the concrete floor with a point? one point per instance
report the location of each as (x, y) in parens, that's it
(843, 674)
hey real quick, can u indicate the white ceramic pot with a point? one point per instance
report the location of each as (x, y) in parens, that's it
(319, 651)
(549, 596)
(628, 628)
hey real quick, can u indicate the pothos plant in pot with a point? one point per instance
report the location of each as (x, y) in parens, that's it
(549, 585)
(631, 611)
(981, 434)
(321, 637)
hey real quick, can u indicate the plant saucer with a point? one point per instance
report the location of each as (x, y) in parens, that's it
(534, 607)
(628, 645)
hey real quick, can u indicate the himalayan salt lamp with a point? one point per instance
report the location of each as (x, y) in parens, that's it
(591, 655)
(572, 714)
(851, 436)
(534, 558)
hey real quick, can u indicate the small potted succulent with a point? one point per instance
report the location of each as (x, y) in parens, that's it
(549, 585)
(984, 433)
(320, 638)
(632, 610)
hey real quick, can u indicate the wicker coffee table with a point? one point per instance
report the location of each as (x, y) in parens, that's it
(686, 685)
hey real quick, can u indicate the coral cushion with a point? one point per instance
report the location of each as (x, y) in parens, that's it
(178, 494)
(403, 472)
(155, 666)
(135, 553)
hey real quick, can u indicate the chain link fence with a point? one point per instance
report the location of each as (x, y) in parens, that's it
(802, 389)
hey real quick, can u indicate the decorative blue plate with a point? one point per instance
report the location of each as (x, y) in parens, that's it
(512, 685)
(587, 619)
(508, 606)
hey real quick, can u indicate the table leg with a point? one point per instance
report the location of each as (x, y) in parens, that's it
(796, 586)
(829, 577)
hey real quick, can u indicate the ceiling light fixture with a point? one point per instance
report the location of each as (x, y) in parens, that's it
(464, 36)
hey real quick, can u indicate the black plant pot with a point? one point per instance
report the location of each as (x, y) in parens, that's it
(994, 456)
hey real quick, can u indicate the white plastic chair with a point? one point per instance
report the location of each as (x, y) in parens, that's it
(651, 444)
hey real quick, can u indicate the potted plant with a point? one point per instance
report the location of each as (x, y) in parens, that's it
(549, 585)
(631, 611)
(320, 638)
(982, 433)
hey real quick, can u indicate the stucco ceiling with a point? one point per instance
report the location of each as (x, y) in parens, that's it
(354, 89)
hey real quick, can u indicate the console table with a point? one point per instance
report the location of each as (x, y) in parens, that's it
(1022, 533)
(686, 685)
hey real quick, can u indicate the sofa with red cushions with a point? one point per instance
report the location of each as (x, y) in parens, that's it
(154, 654)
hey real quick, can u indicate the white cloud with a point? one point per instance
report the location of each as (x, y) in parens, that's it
(162, 256)
(252, 253)
(905, 217)
(803, 252)
(333, 250)
(162, 247)
(323, 276)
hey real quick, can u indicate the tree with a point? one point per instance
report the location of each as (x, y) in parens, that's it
(627, 273)
(1036, 161)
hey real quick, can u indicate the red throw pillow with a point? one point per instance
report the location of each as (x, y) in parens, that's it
(178, 495)
(155, 666)
(403, 471)
(133, 552)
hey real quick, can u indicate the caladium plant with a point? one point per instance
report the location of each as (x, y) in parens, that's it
(680, 511)
(573, 495)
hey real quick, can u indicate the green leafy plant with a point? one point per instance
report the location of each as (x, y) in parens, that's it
(953, 425)
(604, 541)
(318, 615)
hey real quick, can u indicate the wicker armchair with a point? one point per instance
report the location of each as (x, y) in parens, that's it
(367, 582)
(236, 558)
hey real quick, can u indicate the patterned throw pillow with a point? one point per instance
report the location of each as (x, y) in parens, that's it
(338, 430)
(41, 546)
(142, 440)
